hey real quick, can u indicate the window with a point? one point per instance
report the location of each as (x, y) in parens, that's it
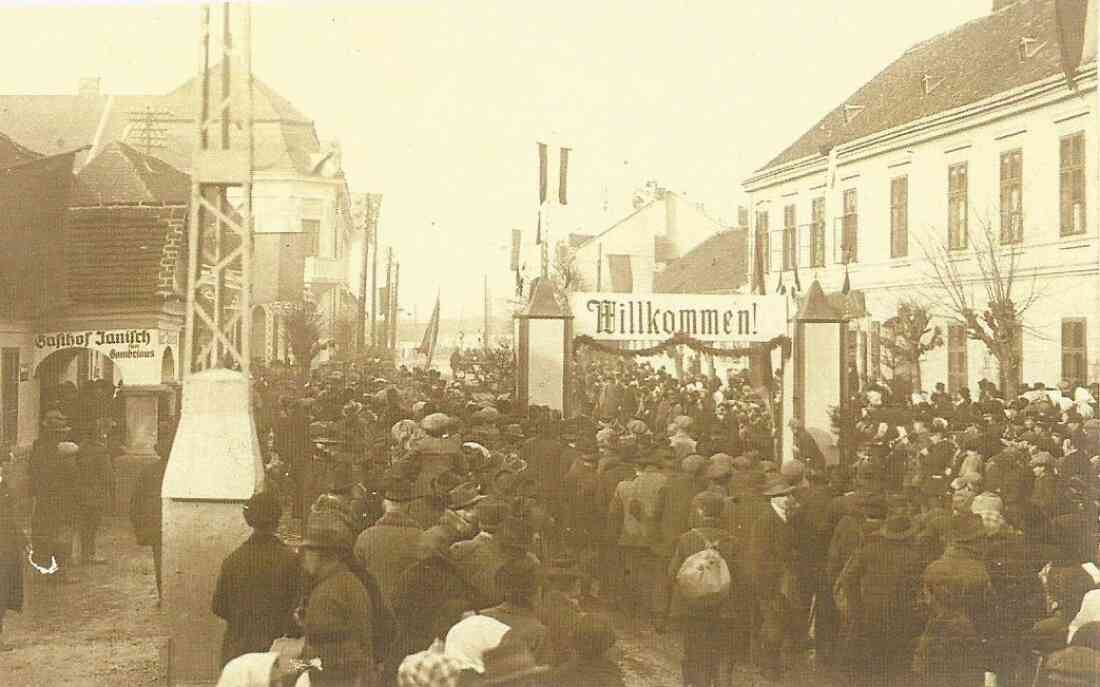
(849, 229)
(817, 258)
(899, 217)
(957, 206)
(762, 237)
(1072, 166)
(1012, 200)
(790, 238)
(9, 396)
(1074, 350)
(312, 214)
(956, 358)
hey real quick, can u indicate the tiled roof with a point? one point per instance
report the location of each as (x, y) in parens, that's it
(719, 264)
(965, 65)
(11, 153)
(120, 175)
(118, 254)
(284, 137)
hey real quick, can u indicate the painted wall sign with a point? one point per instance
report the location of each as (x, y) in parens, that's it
(137, 352)
(658, 316)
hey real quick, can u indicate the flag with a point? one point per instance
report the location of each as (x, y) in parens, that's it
(779, 287)
(797, 281)
(830, 175)
(847, 282)
(544, 162)
(563, 171)
(517, 240)
(1076, 34)
(34, 199)
(758, 265)
(431, 335)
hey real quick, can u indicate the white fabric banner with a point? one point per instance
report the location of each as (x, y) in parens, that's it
(659, 316)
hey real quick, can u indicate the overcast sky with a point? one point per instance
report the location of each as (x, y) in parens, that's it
(438, 105)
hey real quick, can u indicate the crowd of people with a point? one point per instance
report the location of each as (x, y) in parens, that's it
(412, 532)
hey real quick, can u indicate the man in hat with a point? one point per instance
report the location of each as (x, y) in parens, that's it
(949, 651)
(93, 487)
(501, 539)
(674, 509)
(745, 505)
(580, 490)
(52, 482)
(884, 578)
(389, 546)
(560, 609)
(706, 626)
(775, 557)
(616, 465)
(338, 617)
(258, 584)
(635, 507)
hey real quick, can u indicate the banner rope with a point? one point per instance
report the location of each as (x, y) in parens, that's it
(681, 340)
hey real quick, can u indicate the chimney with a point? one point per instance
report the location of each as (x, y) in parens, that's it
(88, 86)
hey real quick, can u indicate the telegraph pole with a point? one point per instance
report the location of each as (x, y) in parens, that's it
(215, 461)
(384, 340)
(394, 307)
(361, 335)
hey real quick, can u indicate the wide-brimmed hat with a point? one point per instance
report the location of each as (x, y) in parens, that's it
(327, 529)
(776, 485)
(464, 496)
(897, 528)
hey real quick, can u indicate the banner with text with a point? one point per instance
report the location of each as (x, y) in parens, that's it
(659, 316)
(139, 352)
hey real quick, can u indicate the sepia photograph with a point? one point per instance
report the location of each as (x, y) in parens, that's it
(413, 343)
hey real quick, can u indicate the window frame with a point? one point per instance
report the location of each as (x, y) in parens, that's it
(899, 216)
(790, 236)
(817, 238)
(1076, 350)
(762, 232)
(848, 241)
(1012, 219)
(1075, 169)
(958, 223)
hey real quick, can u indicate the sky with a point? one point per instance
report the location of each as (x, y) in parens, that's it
(439, 105)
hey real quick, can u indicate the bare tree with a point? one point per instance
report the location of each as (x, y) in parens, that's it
(992, 267)
(909, 336)
(566, 275)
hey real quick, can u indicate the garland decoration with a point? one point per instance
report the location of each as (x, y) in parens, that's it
(681, 339)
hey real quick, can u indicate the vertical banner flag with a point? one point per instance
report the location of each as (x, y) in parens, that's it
(544, 163)
(431, 335)
(517, 240)
(563, 172)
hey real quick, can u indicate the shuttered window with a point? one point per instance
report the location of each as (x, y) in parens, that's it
(899, 217)
(1072, 187)
(957, 206)
(1075, 350)
(1012, 196)
(818, 242)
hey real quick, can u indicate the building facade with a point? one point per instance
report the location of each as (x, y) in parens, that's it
(982, 138)
(303, 223)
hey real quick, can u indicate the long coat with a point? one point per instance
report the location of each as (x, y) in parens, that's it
(256, 592)
(11, 554)
(145, 504)
(429, 597)
(692, 542)
(478, 561)
(338, 630)
(886, 575)
(674, 511)
(387, 548)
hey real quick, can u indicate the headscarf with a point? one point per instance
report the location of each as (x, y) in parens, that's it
(1089, 613)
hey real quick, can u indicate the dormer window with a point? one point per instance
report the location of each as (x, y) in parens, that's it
(930, 83)
(1028, 47)
(850, 112)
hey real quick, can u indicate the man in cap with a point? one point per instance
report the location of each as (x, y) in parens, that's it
(520, 582)
(775, 557)
(258, 585)
(674, 509)
(635, 507)
(501, 538)
(339, 616)
(616, 466)
(389, 546)
(580, 490)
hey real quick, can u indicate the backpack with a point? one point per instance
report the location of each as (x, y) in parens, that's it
(704, 576)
